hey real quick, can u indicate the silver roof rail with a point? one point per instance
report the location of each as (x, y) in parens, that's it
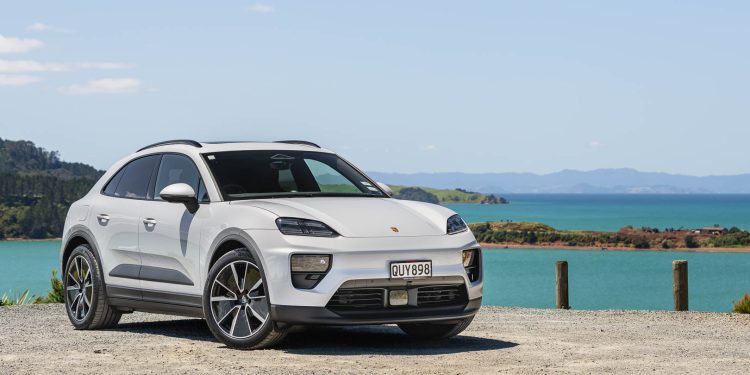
(296, 142)
(173, 142)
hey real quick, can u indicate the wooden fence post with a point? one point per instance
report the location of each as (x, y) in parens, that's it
(561, 283)
(680, 284)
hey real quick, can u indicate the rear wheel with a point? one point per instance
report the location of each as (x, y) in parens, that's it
(85, 295)
(235, 303)
(435, 331)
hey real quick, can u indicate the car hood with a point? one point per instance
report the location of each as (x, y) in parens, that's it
(362, 217)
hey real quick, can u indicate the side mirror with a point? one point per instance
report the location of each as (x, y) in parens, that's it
(386, 189)
(180, 193)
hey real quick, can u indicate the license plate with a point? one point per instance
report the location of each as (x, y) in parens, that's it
(411, 270)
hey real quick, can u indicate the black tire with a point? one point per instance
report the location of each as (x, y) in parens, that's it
(85, 294)
(435, 331)
(238, 314)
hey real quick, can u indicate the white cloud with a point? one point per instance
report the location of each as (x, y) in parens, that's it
(27, 66)
(429, 148)
(261, 8)
(596, 144)
(38, 26)
(17, 80)
(104, 86)
(18, 45)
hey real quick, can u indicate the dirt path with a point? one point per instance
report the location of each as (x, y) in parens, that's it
(39, 339)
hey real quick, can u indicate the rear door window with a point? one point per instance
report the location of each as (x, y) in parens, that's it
(136, 178)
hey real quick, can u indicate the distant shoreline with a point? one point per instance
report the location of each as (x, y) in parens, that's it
(500, 246)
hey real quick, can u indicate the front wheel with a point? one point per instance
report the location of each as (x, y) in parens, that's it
(235, 303)
(435, 331)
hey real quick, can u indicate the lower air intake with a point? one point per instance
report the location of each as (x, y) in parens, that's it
(360, 298)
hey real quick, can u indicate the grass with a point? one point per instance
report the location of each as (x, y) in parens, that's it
(56, 295)
(743, 305)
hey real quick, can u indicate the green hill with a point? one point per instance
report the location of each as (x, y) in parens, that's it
(445, 196)
(36, 188)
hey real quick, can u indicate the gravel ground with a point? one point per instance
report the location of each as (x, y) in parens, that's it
(39, 339)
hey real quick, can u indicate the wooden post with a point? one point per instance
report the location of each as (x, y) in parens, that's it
(561, 283)
(680, 284)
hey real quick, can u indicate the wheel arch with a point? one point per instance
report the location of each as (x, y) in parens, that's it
(231, 239)
(77, 236)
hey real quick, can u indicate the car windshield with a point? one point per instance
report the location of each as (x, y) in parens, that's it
(269, 174)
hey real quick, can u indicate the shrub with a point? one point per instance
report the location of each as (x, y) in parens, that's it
(691, 242)
(57, 294)
(641, 243)
(667, 244)
(743, 305)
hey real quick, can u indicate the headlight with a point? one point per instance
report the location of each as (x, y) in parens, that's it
(303, 227)
(456, 224)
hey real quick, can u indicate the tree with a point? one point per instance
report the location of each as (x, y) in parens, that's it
(36, 189)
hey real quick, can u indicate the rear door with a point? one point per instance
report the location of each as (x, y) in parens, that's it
(116, 220)
(169, 233)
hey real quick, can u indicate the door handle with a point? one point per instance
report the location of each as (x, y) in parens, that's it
(103, 217)
(149, 221)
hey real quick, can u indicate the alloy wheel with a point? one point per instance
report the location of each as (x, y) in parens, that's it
(79, 288)
(238, 300)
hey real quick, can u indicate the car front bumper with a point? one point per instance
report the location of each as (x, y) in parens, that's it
(364, 263)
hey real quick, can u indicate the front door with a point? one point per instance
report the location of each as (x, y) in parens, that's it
(169, 234)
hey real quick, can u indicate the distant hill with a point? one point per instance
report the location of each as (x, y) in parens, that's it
(23, 157)
(600, 181)
(444, 196)
(36, 189)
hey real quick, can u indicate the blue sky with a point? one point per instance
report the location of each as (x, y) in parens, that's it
(397, 86)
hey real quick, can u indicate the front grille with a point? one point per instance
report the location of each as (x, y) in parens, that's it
(440, 295)
(359, 298)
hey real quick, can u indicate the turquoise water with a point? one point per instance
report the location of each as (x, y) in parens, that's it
(612, 212)
(614, 279)
(514, 277)
(27, 265)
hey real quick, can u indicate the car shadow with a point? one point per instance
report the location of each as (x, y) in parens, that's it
(332, 340)
(193, 329)
(380, 340)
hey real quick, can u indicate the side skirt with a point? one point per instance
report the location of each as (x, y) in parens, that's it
(131, 299)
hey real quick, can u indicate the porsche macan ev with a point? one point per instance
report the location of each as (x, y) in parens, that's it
(258, 237)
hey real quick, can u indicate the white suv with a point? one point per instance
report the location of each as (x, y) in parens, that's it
(256, 237)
